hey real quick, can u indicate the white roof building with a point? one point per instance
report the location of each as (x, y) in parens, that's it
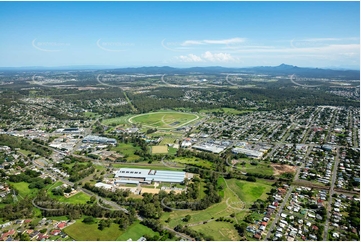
(251, 153)
(104, 185)
(148, 175)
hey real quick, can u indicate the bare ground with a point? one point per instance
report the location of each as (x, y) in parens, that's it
(280, 169)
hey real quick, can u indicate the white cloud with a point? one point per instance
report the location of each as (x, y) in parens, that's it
(218, 57)
(213, 42)
(225, 41)
(189, 58)
(192, 42)
(208, 57)
(329, 39)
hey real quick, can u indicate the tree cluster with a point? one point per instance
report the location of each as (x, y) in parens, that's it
(156, 226)
(25, 144)
(31, 177)
(75, 211)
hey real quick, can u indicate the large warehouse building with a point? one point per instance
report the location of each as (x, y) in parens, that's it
(99, 140)
(147, 175)
(250, 153)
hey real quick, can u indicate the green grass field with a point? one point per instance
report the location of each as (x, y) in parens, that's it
(127, 149)
(56, 184)
(117, 120)
(194, 161)
(26, 152)
(261, 168)
(79, 198)
(215, 211)
(249, 192)
(220, 230)
(135, 231)
(86, 232)
(164, 120)
(169, 139)
(172, 151)
(236, 199)
(23, 188)
(91, 115)
(202, 189)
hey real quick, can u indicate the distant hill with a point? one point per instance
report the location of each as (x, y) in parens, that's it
(280, 70)
(57, 68)
(284, 69)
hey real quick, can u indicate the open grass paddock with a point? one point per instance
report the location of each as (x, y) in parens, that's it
(164, 120)
(160, 149)
(135, 231)
(24, 190)
(86, 232)
(220, 230)
(249, 192)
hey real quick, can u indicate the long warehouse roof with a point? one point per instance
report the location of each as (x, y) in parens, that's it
(149, 175)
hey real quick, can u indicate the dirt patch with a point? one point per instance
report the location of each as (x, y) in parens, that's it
(150, 190)
(280, 169)
(161, 149)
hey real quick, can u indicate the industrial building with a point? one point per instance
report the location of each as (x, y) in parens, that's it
(147, 175)
(99, 140)
(250, 153)
(209, 148)
(70, 131)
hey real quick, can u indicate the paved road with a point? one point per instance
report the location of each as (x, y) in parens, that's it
(298, 84)
(274, 149)
(230, 83)
(333, 180)
(285, 199)
(332, 125)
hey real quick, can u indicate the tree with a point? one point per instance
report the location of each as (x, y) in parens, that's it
(93, 199)
(187, 218)
(88, 220)
(241, 228)
(67, 189)
(24, 237)
(249, 219)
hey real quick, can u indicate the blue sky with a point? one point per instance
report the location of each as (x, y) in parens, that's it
(180, 34)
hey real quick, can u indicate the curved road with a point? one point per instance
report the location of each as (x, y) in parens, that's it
(291, 78)
(231, 83)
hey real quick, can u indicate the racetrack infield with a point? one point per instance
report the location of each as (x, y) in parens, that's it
(164, 120)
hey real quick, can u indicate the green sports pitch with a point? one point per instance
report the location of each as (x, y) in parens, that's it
(164, 120)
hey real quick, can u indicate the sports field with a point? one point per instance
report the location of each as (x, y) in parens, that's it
(164, 120)
(160, 149)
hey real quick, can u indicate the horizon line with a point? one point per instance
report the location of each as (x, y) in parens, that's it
(95, 67)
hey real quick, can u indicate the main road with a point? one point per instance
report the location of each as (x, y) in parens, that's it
(274, 222)
(333, 180)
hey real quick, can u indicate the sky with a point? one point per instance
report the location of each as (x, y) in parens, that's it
(180, 34)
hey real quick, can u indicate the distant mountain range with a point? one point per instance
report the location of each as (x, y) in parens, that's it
(282, 69)
(57, 68)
